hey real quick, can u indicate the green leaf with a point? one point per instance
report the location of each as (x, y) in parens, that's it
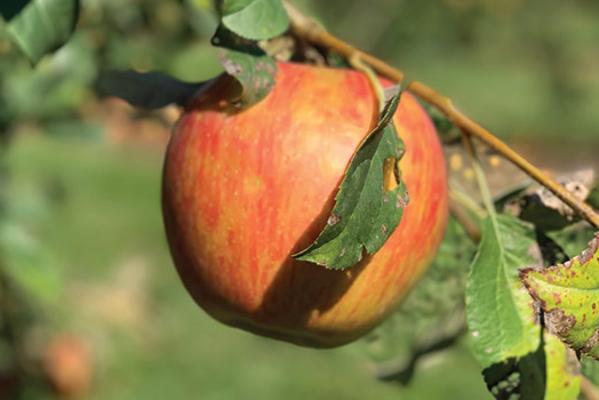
(147, 89)
(569, 296)
(446, 129)
(43, 26)
(552, 372)
(563, 370)
(366, 212)
(30, 266)
(253, 69)
(500, 317)
(546, 211)
(571, 239)
(590, 369)
(518, 378)
(255, 19)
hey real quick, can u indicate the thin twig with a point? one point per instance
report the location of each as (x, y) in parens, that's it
(456, 193)
(306, 28)
(481, 179)
(588, 390)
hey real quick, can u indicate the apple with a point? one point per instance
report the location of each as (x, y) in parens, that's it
(68, 366)
(245, 190)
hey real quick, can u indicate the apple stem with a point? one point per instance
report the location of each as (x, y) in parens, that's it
(588, 389)
(357, 63)
(470, 227)
(313, 32)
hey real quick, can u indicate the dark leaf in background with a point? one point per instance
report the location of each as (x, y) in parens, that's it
(432, 317)
(590, 369)
(147, 90)
(571, 239)
(507, 200)
(446, 129)
(370, 201)
(245, 61)
(545, 210)
(42, 26)
(254, 19)
(29, 265)
(522, 378)
(593, 198)
(10, 8)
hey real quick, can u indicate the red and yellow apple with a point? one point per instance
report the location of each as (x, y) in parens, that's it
(245, 190)
(68, 366)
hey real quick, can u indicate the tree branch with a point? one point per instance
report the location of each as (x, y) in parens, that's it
(588, 389)
(308, 29)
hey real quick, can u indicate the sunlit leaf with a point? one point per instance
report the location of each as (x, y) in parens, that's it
(500, 317)
(563, 370)
(43, 26)
(366, 210)
(569, 296)
(254, 19)
(552, 372)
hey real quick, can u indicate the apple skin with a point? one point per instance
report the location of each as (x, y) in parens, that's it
(68, 366)
(243, 191)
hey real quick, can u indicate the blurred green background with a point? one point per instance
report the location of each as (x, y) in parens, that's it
(83, 258)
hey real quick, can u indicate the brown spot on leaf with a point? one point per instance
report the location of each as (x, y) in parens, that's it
(587, 254)
(591, 343)
(232, 67)
(558, 322)
(401, 201)
(557, 298)
(333, 219)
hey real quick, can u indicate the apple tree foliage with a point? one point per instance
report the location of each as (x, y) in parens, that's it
(530, 309)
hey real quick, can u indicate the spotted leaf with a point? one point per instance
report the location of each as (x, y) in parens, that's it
(569, 296)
